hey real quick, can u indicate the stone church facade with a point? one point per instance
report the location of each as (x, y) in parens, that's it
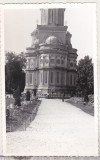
(51, 60)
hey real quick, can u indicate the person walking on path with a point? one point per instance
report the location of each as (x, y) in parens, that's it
(63, 96)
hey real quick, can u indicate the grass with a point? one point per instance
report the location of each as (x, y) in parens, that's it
(86, 107)
(9, 101)
(21, 117)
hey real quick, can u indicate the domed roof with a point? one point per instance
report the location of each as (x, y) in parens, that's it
(52, 40)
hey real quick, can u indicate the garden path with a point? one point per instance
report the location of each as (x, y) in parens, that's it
(59, 129)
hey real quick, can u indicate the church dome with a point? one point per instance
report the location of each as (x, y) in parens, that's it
(52, 40)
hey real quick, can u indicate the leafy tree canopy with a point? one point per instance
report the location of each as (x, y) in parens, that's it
(14, 74)
(85, 81)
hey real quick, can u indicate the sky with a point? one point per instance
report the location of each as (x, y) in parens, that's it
(19, 23)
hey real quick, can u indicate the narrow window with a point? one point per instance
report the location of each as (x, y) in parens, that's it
(52, 15)
(26, 78)
(74, 80)
(51, 77)
(62, 78)
(71, 79)
(62, 61)
(41, 77)
(45, 76)
(52, 61)
(29, 63)
(57, 77)
(30, 79)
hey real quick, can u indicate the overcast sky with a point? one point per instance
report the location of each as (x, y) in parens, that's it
(19, 23)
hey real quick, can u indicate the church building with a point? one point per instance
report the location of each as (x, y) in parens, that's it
(51, 60)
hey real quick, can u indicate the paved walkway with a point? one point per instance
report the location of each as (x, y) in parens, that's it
(59, 129)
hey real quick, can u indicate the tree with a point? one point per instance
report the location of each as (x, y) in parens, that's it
(14, 74)
(85, 81)
(16, 95)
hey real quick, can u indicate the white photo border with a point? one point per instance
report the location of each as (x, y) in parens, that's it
(2, 77)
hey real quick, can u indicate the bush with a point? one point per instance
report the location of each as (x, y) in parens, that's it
(28, 96)
(16, 96)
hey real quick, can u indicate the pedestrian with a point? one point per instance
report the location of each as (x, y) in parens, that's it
(63, 96)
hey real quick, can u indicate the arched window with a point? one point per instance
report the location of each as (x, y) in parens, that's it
(71, 64)
(58, 61)
(31, 63)
(41, 61)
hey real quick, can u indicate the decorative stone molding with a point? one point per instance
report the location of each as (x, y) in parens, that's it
(51, 54)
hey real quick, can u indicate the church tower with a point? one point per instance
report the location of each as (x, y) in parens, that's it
(51, 60)
(52, 17)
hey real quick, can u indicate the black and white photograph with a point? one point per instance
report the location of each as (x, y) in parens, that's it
(50, 75)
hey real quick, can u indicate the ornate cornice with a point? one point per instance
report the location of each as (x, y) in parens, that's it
(52, 28)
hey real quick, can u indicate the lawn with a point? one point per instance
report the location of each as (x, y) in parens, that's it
(20, 117)
(87, 107)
